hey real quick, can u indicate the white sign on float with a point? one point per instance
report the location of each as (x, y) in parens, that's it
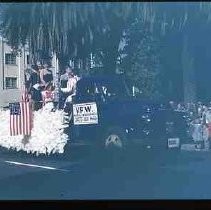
(85, 114)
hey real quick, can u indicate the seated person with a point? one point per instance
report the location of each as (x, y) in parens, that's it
(48, 95)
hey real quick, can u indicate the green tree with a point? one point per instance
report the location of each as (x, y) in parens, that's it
(177, 23)
(141, 62)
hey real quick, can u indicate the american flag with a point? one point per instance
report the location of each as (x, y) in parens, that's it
(20, 118)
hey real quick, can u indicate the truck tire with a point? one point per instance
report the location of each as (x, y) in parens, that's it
(114, 138)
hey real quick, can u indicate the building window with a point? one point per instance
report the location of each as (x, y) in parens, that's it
(11, 82)
(10, 59)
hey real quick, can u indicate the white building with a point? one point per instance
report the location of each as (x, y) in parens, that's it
(11, 73)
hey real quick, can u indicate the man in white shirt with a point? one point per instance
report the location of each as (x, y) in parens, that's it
(70, 88)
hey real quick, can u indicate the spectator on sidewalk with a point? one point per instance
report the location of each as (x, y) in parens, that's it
(172, 105)
(197, 133)
(208, 127)
(181, 107)
(200, 109)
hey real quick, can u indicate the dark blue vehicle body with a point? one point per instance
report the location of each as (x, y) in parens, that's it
(139, 119)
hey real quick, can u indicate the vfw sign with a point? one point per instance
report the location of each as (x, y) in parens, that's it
(85, 113)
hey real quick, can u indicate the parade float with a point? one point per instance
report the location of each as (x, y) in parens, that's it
(47, 136)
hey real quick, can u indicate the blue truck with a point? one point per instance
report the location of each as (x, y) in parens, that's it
(104, 113)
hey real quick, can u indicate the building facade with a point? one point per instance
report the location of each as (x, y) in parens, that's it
(12, 68)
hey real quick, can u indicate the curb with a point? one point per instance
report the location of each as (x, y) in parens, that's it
(192, 147)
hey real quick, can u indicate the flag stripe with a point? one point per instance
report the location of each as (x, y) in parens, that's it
(24, 107)
(30, 119)
(19, 126)
(27, 119)
(16, 124)
(23, 119)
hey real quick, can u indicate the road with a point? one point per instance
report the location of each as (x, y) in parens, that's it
(90, 174)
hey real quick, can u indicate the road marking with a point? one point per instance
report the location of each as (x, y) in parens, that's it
(35, 166)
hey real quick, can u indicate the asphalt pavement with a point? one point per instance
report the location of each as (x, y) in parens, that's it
(86, 173)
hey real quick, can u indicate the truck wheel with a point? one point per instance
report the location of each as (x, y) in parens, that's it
(114, 138)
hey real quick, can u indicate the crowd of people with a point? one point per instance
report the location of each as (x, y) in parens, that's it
(199, 119)
(197, 111)
(40, 85)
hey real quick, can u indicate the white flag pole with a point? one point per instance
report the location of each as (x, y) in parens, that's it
(56, 79)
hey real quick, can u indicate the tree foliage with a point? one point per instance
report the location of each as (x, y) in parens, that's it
(74, 30)
(68, 29)
(48, 27)
(141, 57)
